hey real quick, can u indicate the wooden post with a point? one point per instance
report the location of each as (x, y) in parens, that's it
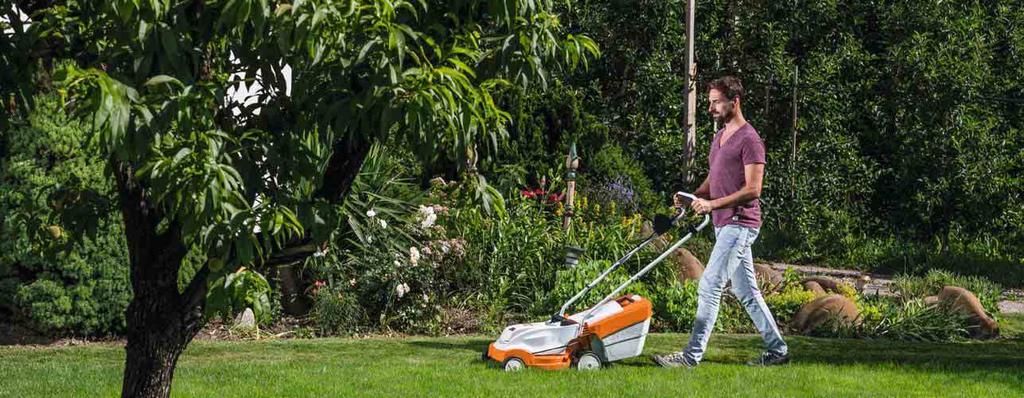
(792, 156)
(572, 163)
(691, 96)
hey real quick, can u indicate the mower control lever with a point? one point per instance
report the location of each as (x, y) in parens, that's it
(562, 320)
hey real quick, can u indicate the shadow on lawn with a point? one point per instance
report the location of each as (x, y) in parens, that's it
(965, 355)
(999, 355)
(476, 346)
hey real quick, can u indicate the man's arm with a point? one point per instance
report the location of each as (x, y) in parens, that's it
(704, 191)
(754, 176)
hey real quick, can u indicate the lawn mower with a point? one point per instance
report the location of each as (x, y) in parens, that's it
(613, 329)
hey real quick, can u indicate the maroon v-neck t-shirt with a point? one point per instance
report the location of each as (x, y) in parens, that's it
(727, 175)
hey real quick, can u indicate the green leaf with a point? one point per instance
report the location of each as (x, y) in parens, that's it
(161, 79)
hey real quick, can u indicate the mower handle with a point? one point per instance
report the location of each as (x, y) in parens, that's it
(559, 317)
(692, 231)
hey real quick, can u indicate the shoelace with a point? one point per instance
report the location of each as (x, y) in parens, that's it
(675, 357)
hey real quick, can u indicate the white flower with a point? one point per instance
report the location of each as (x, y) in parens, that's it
(444, 247)
(402, 289)
(428, 221)
(370, 213)
(352, 282)
(426, 298)
(428, 217)
(398, 263)
(414, 256)
(383, 224)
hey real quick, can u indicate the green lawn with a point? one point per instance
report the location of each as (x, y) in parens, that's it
(444, 367)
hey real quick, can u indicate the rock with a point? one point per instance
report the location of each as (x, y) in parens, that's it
(768, 279)
(829, 285)
(862, 282)
(963, 301)
(688, 266)
(246, 319)
(822, 309)
(814, 287)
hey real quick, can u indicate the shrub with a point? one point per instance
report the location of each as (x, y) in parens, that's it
(612, 177)
(63, 259)
(785, 304)
(234, 292)
(676, 308)
(911, 320)
(335, 313)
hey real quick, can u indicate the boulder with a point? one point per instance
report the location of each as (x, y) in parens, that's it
(768, 279)
(246, 319)
(828, 285)
(814, 287)
(981, 326)
(690, 268)
(822, 309)
(687, 265)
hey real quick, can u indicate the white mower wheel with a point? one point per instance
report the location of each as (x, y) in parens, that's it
(513, 365)
(589, 361)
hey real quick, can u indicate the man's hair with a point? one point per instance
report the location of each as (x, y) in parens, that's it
(729, 86)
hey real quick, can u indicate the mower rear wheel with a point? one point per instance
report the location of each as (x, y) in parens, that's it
(513, 364)
(588, 361)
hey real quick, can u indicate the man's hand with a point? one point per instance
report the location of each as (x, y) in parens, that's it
(701, 206)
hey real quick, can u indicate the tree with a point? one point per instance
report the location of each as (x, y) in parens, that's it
(260, 182)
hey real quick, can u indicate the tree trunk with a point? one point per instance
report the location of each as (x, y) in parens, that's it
(161, 320)
(161, 323)
(342, 169)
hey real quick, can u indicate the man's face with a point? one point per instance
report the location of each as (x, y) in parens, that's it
(720, 107)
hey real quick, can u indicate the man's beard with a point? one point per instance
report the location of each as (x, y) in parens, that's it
(725, 117)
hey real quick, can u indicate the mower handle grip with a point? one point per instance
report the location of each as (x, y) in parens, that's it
(688, 197)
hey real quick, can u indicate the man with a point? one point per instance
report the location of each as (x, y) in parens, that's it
(730, 193)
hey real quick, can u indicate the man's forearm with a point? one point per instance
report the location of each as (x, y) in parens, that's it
(704, 190)
(744, 195)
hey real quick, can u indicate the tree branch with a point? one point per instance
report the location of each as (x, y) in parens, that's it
(195, 292)
(343, 166)
(342, 169)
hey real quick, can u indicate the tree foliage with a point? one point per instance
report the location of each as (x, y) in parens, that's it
(237, 181)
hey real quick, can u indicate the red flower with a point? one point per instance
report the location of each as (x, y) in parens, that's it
(556, 197)
(317, 285)
(528, 193)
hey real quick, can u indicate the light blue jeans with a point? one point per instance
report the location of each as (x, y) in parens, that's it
(731, 260)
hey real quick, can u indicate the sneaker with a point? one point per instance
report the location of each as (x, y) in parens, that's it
(769, 358)
(673, 360)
